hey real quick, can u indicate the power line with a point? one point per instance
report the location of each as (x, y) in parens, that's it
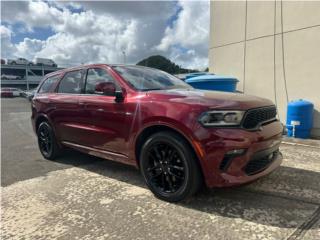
(274, 55)
(245, 49)
(264, 36)
(274, 51)
(283, 58)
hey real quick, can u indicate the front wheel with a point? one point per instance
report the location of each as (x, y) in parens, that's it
(47, 142)
(170, 167)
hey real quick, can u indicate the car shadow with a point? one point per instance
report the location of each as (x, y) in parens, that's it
(263, 202)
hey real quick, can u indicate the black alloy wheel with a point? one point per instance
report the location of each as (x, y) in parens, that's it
(166, 169)
(169, 167)
(47, 143)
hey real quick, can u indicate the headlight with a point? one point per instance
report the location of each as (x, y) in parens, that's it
(221, 118)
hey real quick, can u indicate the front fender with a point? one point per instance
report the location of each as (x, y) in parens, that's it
(173, 125)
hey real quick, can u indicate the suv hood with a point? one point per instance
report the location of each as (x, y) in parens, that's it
(210, 99)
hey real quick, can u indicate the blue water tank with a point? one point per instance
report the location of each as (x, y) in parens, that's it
(299, 118)
(214, 82)
(196, 74)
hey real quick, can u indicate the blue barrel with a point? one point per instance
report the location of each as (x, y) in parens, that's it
(196, 74)
(299, 118)
(214, 82)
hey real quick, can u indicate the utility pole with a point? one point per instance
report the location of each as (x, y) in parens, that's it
(27, 80)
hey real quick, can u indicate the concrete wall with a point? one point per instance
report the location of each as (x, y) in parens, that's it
(246, 42)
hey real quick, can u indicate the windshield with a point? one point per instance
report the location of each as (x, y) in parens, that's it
(145, 79)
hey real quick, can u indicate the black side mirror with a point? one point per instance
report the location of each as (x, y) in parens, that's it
(119, 96)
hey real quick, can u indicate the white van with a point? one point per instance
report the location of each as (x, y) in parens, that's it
(45, 62)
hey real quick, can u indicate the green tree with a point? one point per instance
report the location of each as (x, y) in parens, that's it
(164, 64)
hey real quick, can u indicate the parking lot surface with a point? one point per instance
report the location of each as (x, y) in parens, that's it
(83, 197)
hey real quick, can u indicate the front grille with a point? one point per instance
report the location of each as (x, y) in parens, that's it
(257, 116)
(257, 165)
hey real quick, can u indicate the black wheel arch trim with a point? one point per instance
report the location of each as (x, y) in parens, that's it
(44, 117)
(168, 127)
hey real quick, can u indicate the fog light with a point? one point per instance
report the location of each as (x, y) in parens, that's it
(236, 152)
(229, 156)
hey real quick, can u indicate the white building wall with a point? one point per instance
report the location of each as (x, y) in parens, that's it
(244, 37)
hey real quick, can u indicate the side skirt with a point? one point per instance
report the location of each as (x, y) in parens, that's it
(118, 157)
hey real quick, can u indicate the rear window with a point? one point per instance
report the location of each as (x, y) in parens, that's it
(48, 84)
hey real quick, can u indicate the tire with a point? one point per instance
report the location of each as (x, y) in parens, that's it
(47, 142)
(169, 167)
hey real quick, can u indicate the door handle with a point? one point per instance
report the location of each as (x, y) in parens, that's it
(82, 105)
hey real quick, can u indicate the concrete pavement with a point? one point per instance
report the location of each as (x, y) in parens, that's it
(83, 197)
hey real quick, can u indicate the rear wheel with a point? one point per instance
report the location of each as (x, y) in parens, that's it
(47, 142)
(169, 167)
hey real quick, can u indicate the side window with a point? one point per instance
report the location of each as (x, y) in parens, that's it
(95, 76)
(72, 82)
(48, 84)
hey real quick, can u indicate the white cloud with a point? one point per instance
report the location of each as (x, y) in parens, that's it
(5, 32)
(100, 31)
(190, 31)
(28, 47)
(31, 14)
(7, 48)
(132, 9)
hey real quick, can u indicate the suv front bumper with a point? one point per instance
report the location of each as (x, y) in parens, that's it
(260, 156)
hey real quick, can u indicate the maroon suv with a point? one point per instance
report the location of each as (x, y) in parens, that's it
(178, 136)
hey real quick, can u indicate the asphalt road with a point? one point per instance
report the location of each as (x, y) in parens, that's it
(83, 197)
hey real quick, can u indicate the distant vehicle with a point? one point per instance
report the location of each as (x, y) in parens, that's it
(3, 61)
(45, 62)
(29, 94)
(19, 61)
(6, 93)
(10, 92)
(10, 77)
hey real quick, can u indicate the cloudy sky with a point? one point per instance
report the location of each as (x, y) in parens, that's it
(72, 33)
